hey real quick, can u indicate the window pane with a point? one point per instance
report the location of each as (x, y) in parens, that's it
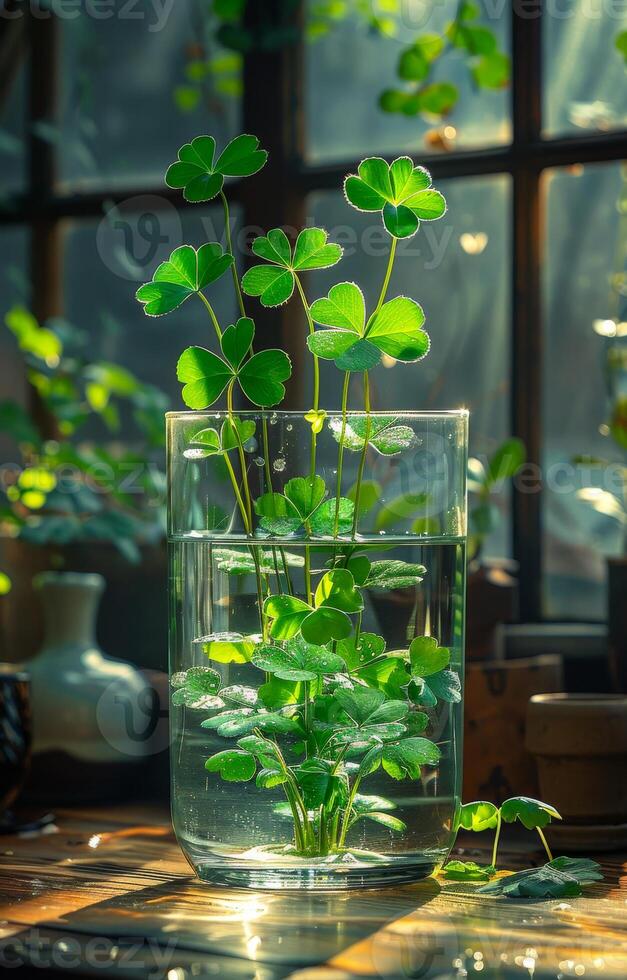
(126, 91)
(13, 127)
(104, 265)
(349, 67)
(584, 273)
(584, 72)
(458, 269)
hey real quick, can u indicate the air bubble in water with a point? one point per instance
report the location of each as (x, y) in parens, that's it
(195, 453)
(289, 427)
(259, 460)
(279, 464)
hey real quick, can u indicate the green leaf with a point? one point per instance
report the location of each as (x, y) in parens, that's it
(337, 589)
(261, 377)
(17, 424)
(345, 348)
(415, 62)
(620, 43)
(404, 759)
(272, 284)
(438, 98)
(325, 624)
(278, 693)
(236, 432)
(467, 871)
(278, 514)
(505, 462)
(316, 782)
(186, 272)
(298, 661)
(241, 157)
(287, 613)
(426, 657)
(531, 813)
(229, 648)
(201, 178)
(242, 563)
(560, 878)
(384, 435)
(5, 584)
(204, 376)
(313, 252)
(478, 816)
(306, 494)
(370, 647)
(397, 330)
(207, 442)
(492, 70)
(236, 341)
(394, 574)
(369, 707)
(344, 307)
(196, 688)
(233, 765)
(400, 508)
(262, 748)
(386, 819)
(322, 521)
(446, 686)
(401, 191)
(370, 494)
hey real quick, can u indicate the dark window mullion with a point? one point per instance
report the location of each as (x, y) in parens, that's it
(526, 321)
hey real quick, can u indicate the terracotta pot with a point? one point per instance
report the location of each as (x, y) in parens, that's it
(580, 745)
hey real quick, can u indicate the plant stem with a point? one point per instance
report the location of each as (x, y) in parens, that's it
(545, 842)
(496, 838)
(386, 278)
(214, 318)
(362, 458)
(229, 245)
(340, 455)
(316, 366)
(347, 812)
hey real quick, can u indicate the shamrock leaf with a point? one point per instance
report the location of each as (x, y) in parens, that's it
(560, 878)
(394, 574)
(201, 178)
(274, 283)
(375, 808)
(236, 341)
(243, 721)
(478, 816)
(384, 435)
(227, 648)
(234, 765)
(372, 717)
(287, 512)
(197, 687)
(322, 521)
(298, 660)
(186, 272)
(443, 686)
(467, 871)
(336, 596)
(316, 418)
(401, 191)
(242, 563)
(403, 759)
(531, 813)
(205, 376)
(208, 442)
(354, 345)
(426, 657)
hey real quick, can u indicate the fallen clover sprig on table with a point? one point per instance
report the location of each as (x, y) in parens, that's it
(560, 877)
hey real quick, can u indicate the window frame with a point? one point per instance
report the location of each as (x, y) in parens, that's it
(278, 197)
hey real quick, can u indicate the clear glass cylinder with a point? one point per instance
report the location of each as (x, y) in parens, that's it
(316, 645)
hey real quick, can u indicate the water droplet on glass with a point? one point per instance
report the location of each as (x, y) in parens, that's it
(259, 460)
(279, 465)
(194, 453)
(289, 427)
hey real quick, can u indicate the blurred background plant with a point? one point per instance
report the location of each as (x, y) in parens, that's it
(74, 482)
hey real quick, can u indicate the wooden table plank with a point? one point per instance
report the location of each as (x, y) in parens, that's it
(112, 875)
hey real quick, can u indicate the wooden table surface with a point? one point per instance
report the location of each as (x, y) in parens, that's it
(109, 891)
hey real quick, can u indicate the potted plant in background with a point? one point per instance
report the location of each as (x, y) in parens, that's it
(292, 715)
(68, 514)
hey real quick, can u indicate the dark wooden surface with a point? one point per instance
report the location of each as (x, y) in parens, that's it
(109, 891)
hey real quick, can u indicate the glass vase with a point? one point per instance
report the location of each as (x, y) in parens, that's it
(316, 644)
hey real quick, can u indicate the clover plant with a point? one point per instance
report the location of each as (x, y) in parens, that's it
(327, 705)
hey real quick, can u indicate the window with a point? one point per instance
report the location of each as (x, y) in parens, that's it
(510, 285)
